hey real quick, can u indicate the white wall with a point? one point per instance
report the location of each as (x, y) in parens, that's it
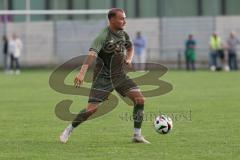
(49, 43)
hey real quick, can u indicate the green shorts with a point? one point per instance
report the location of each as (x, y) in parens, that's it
(103, 86)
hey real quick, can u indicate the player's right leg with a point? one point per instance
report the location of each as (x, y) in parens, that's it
(138, 99)
(81, 117)
(11, 63)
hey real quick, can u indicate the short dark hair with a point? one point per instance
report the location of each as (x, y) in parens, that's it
(112, 12)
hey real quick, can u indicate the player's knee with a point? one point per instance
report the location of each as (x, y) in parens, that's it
(139, 100)
(92, 108)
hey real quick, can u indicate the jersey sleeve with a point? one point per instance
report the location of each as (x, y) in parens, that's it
(129, 42)
(98, 43)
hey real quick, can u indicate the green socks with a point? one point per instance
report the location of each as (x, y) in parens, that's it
(81, 117)
(138, 115)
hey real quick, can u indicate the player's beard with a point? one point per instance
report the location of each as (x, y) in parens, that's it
(121, 28)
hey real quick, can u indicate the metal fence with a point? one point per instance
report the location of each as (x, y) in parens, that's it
(51, 43)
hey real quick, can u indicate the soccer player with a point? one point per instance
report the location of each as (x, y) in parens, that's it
(113, 50)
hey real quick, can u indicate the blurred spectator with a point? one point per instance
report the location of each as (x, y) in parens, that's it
(190, 52)
(232, 43)
(15, 48)
(6, 18)
(216, 50)
(5, 53)
(140, 47)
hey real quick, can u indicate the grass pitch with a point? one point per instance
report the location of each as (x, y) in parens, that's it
(204, 106)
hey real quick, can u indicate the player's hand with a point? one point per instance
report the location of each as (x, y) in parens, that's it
(128, 64)
(78, 81)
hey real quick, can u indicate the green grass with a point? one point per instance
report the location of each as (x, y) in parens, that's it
(29, 128)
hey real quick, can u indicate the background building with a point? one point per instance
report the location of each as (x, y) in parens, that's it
(54, 39)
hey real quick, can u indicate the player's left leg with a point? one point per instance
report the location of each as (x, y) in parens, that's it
(17, 65)
(80, 118)
(138, 99)
(98, 94)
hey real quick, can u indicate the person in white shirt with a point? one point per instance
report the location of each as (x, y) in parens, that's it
(232, 43)
(15, 48)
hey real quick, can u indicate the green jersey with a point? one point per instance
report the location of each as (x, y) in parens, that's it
(111, 52)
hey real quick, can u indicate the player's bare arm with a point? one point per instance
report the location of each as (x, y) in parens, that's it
(88, 61)
(130, 53)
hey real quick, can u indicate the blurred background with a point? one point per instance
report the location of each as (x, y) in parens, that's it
(54, 31)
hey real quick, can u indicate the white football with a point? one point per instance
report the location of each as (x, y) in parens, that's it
(163, 124)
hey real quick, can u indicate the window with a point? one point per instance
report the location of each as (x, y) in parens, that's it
(148, 8)
(211, 8)
(232, 7)
(180, 8)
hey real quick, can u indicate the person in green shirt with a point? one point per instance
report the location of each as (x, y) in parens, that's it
(113, 50)
(190, 52)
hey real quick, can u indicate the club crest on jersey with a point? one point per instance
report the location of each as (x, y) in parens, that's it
(116, 47)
